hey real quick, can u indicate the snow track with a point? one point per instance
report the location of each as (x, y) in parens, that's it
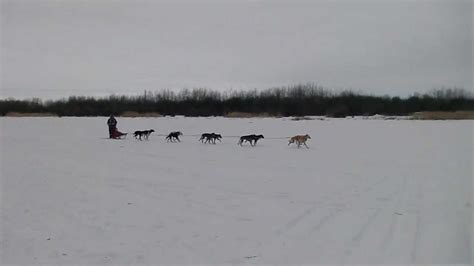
(366, 191)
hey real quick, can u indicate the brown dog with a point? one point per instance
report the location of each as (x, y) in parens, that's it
(300, 140)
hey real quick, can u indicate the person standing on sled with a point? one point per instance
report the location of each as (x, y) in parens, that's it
(112, 123)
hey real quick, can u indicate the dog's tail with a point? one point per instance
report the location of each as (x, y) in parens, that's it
(291, 140)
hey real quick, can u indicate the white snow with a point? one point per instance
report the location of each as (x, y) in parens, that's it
(367, 191)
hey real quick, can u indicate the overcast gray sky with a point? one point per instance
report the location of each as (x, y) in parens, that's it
(52, 49)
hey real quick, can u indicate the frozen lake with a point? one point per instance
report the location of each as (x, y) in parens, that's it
(367, 191)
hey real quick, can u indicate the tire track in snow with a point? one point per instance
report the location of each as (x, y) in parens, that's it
(416, 240)
(346, 205)
(292, 223)
(324, 220)
(389, 237)
(350, 200)
(359, 235)
(406, 225)
(307, 212)
(354, 242)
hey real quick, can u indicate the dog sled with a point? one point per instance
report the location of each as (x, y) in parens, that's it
(117, 134)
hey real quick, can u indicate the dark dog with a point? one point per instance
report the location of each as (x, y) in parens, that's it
(210, 138)
(143, 133)
(174, 136)
(252, 139)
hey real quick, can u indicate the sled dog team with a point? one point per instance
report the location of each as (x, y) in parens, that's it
(212, 137)
(114, 133)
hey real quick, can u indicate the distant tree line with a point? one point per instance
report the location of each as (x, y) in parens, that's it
(298, 100)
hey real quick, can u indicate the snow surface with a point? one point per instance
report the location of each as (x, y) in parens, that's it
(367, 191)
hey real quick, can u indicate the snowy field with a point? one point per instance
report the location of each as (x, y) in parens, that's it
(367, 191)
